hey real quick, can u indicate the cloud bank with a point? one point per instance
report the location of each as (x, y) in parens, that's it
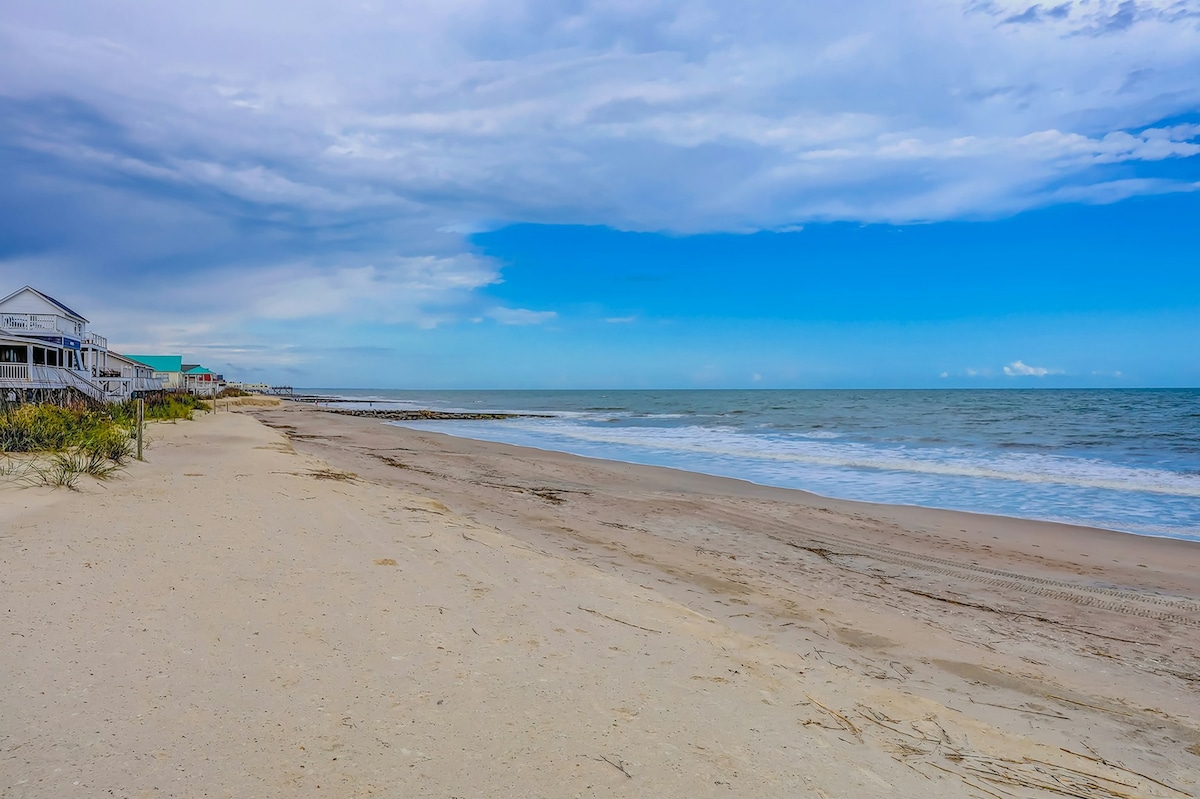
(280, 161)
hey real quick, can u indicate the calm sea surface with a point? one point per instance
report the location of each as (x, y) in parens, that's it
(1125, 460)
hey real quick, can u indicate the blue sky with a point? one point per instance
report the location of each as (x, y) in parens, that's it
(474, 193)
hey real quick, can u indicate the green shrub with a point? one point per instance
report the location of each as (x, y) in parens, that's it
(112, 442)
(48, 428)
(163, 408)
(83, 440)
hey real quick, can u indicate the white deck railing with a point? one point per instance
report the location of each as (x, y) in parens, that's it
(117, 389)
(61, 377)
(147, 384)
(97, 339)
(40, 323)
(14, 371)
(104, 389)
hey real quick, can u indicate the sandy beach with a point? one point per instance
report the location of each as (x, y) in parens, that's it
(283, 602)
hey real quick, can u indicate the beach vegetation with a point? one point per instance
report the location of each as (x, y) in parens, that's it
(109, 442)
(50, 428)
(162, 408)
(82, 441)
(67, 442)
(65, 468)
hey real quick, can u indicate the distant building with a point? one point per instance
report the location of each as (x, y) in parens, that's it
(257, 388)
(199, 380)
(167, 368)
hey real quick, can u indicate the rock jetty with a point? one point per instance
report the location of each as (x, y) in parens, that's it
(423, 415)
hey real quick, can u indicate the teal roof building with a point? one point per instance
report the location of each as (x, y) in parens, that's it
(160, 363)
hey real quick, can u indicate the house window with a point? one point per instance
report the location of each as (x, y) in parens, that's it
(45, 357)
(12, 355)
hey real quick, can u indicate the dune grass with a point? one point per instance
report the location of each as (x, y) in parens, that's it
(165, 409)
(49, 428)
(81, 441)
(78, 440)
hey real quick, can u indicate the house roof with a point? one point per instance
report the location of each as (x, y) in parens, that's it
(47, 298)
(160, 363)
(129, 358)
(198, 370)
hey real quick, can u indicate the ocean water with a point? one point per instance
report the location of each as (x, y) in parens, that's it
(1124, 460)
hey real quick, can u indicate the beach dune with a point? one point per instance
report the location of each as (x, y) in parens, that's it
(282, 602)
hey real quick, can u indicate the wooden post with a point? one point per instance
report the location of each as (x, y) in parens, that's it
(141, 425)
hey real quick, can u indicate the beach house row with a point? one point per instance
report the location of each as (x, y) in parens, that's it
(45, 346)
(179, 376)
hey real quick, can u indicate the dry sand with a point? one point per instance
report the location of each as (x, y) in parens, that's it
(339, 607)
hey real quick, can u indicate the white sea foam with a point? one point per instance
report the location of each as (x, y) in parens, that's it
(1128, 460)
(1058, 488)
(949, 462)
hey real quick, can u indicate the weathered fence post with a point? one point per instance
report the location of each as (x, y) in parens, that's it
(141, 425)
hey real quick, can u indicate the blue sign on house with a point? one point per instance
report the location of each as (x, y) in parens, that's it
(62, 341)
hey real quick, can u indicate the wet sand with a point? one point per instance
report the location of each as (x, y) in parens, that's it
(322, 600)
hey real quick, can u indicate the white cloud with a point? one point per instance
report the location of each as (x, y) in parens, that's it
(520, 316)
(672, 115)
(291, 311)
(1022, 369)
(620, 320)
(323, 161)
(1088, 17)
(421, 291)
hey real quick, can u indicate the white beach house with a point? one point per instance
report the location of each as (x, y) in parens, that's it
(200, 380)
(167, 368)
(47, 349)
(126, 367)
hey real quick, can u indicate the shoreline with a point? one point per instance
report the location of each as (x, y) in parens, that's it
(1073, 487)
(1066, 543)
(281, 599)
(701, 482)
(811, 494)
